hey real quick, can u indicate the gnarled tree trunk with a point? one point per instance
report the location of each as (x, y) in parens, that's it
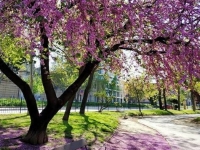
(39, 122)
(36, 133)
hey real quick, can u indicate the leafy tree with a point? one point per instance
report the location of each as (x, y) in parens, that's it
(105, 85)
(63, 74)
(37, 84)
(92, 31)
(135, 87)
(103, 99)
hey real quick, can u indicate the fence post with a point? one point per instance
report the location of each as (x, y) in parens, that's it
(20, 105)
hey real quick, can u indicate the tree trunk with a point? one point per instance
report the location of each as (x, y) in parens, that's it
(151, 101)
(139, 106)
(68, 108)
(179, 99)
(36, 133)
(160, 99)
(86, 92)
(193, 100)
(164, 97)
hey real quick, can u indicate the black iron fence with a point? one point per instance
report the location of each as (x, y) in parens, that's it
(13, 105)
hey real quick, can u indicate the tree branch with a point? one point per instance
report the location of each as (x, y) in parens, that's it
(45, 73)
(68, 93)
(151, 52)
(25, 88)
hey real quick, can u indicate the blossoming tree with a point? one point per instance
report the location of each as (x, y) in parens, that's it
(89, 31)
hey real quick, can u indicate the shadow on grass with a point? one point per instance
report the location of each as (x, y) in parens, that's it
(91, 129)
(86, 118)
(68, 130)
(97, 129)
(169, 113)
(15, 117)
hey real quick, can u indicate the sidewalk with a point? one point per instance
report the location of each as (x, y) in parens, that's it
(132, 135)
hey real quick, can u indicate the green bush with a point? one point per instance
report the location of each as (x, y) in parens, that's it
(14, 102)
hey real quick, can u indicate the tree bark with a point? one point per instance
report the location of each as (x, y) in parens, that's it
(37, 131)
(25, 88)
(164, 97)
(193, 100)
(179, 99)
(86, 92)
(68, 108)
(139, 104)
(160, 99)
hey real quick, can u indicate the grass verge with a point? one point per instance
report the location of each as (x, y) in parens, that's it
(161, 112)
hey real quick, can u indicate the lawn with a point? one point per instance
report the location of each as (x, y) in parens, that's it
(93, 126)
(161, 112)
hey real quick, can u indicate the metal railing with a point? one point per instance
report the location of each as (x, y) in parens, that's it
(11, 105)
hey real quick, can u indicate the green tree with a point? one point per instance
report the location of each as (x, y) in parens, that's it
(103, 99)
(105, 86)
(37, 84)
(135, 87)
(64, 73)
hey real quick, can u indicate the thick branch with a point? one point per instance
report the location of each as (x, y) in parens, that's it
(25, 88)
(73, 88)
(45, 74)
(151, 52)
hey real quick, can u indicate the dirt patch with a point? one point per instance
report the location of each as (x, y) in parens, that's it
(187, 121)
(10, 139)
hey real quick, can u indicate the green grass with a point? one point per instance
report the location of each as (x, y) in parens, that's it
(91, 126)
(161, 112)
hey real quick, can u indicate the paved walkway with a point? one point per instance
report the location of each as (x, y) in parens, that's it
(132, 135)
(180, 136)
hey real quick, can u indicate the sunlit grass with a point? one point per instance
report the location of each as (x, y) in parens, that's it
(91, 126)
(161, 112)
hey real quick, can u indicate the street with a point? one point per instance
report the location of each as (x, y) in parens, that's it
(180, 137)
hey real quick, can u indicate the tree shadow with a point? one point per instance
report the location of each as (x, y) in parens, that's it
(93, 130)
(68, 130)
(169, 112)
(15, 117)
(88, 123)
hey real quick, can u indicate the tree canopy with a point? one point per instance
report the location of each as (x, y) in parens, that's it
(92, 30)
(162, 34)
